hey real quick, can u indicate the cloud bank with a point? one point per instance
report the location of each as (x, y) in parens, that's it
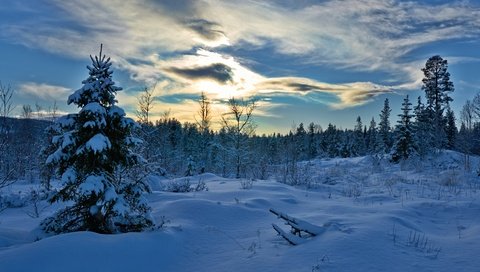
(180, 42)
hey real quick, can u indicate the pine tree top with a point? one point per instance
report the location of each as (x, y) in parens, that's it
(99, 86)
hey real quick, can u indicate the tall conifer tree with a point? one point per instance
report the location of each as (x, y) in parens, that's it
(405, 143)
(384, 126)
(437, 87)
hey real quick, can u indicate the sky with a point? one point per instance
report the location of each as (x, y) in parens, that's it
(303, 61)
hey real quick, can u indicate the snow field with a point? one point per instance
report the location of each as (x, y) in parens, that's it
(378, 218)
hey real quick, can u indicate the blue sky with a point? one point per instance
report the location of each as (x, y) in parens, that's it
(306, 61)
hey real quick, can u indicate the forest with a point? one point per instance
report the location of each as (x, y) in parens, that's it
(176, 149)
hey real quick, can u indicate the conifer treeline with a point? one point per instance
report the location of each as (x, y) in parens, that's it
(421, 129)
(177, 149)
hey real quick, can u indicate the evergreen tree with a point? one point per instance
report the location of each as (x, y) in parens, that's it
(384, 127)
(330, 142)
(311, 142)
(93, 155)
(190, 167)
(464, 144)
(405, 144)
(451, 129)
(373, 140)
(359, 139)
(301, 142)
(423, 128)
(437, 87)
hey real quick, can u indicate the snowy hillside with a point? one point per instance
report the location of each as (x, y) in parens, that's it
(377, 217)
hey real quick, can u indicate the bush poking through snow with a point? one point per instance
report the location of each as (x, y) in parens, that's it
(183, 185)
(450, 179)
(353, 190)
(422, 243)
(246, 184)
(179, 186)
(35, 198)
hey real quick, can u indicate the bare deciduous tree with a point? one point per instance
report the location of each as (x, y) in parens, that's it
(145, 105)
(204, 113)
(238, 122)
(6, 95)
(27, 112)
(6, 108)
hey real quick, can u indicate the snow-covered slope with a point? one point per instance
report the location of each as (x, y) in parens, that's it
(377, 218)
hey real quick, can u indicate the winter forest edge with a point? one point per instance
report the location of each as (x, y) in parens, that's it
(101, 163)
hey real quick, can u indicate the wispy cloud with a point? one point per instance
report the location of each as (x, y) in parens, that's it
(154, 40)
(42, 91)
(350, 94)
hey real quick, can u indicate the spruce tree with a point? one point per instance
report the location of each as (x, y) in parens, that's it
(312, 144)
(384, 127)
(374, 141)
(405, 145)
(423, 128)
(93, 156)
(301, 142)
(451, 129)
(359, 139)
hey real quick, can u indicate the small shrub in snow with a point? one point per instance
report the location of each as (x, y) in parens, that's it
(329, 181)
(353, 190)
(389, 183)
(183, 185)
(22, 199)
(422, 243)
(179, 186)
(35, 198)
(201, 186)
(14, 200)
(162, 222)
(246, 184)
(450, 179)
(337, 171)
(297, 174)
(376, 164)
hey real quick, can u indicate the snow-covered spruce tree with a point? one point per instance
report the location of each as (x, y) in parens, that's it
(374, 143)
(190, 167)
(384, 127)
(93, 153)
(423, 128)
(359, 147)
(405, 143)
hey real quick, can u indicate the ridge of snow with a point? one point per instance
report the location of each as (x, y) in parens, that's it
(98, 143)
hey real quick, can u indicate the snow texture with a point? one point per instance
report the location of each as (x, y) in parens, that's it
(375, 218)
(92, 184)
(98, 143)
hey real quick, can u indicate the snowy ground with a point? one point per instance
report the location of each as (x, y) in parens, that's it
(377, 218)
